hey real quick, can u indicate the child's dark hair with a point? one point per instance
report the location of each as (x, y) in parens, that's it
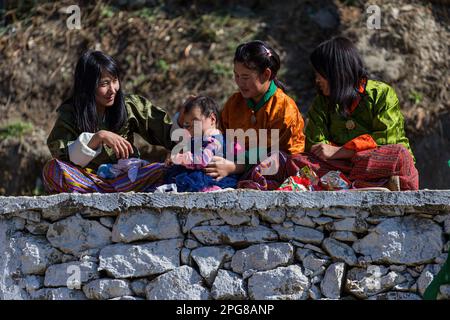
(206, 104)
(258, 55)
(338, 61)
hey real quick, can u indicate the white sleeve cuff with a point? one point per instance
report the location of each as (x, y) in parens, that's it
(79, 152)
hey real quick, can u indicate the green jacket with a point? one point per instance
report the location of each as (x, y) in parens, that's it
(150, 122)
(378, 114)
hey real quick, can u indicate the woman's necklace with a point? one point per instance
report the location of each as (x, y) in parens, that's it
(253, 117)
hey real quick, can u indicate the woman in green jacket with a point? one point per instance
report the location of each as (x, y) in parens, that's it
(355, 124)
(96, 126)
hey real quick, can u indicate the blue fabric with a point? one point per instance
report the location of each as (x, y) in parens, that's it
(196, 180)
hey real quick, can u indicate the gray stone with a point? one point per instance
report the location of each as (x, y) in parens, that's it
(262, 257)
(314, 293)
(191, 244)
(407, 285)
(363, 283)
(33, 283)
(395, 296)
(313, 213)
(37, 254)
(322, 220)
(146, 225)
(276, 215)
(183, 283)
(441, 218)
(345, 236)
(426, 277)
(138, 287)
(441, 259)
(185, 257)
(350, 224)
(58, 294)
(333, 280)
(126, 260)
(235, 218)
(340, 212)
(283, 283)
(228, 286)
(314, 248)
(71, 274)
(444, 292)
(340, 251)
(407, 240)
(447, 225)
(397, 268)
(18, 223)
(313, 263)
(107, 221)
(37, 228)
(127, 298)
(233, 235)
(300, 233)
(74, 235)
(29, 215)
(302, 253)
(103, 289)
(210, 259)
(196, 217)
(215, 222)
(299, 217)
(287, 224)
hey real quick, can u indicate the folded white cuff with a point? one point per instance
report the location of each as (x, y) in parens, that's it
(79, 152)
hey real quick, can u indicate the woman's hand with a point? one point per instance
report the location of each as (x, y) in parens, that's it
(328, 152)
(121, 147)
(219, 168)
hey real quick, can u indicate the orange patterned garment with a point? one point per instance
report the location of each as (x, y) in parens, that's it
(280, 112)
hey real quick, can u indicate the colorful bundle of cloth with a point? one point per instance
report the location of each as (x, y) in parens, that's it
(113, 170)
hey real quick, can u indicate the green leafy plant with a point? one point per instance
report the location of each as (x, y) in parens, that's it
(162, 65)
(15, 129)
(416, 97)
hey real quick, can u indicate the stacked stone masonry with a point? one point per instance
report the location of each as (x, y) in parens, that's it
(224, 245)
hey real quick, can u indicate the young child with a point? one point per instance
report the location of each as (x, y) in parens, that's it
(200, 120)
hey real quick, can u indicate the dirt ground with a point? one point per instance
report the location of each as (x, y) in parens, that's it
(171, 49)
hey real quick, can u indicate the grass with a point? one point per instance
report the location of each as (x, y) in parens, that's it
(222, 69)
(416, 97)
(162, 65)
(15, 130)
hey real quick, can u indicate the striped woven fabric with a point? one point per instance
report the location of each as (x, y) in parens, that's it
(369, 168)
(60, 176)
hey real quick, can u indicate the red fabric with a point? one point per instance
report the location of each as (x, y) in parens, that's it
(369, 168)
(361, 143)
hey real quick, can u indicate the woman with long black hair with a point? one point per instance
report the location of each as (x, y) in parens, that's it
(355, 123)
(96, 126)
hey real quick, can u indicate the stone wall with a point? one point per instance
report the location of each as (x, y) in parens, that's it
(224, 245)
